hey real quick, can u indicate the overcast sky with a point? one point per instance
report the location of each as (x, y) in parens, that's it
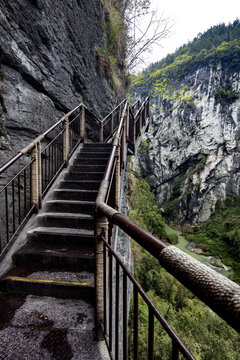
(190, 17)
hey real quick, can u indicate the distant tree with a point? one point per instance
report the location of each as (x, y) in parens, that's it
(144, 28)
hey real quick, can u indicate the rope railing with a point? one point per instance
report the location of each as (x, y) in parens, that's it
(219, 293)
(41, 161)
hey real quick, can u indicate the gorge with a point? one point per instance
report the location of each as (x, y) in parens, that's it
(193, 157)
(190, 155)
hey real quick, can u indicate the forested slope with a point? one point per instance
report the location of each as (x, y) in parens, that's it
(220, 45)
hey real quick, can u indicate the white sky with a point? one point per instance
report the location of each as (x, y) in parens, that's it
(190, 17)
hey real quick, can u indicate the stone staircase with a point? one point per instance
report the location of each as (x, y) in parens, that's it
(58, 258)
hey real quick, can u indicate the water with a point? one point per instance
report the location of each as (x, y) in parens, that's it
(182, 245)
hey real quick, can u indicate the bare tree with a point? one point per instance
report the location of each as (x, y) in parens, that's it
(145, 28)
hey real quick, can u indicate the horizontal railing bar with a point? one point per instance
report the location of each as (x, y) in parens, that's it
(52, 141)
(89, 112)
(119, 106)
(10, 162)
(145, 239)
(42, 136)
(106, 122)
(19, 173)
(157, 314)
(75, 118)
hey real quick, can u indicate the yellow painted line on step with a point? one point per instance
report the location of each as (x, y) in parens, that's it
(48, 281)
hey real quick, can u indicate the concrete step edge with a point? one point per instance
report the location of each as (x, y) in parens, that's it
(80, 202)
(48, 281)
(42, 287)
(78, 191)
(62, 231)
(64, 215)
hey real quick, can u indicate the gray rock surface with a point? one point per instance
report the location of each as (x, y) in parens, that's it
(193, 156)
(48, 66)
(47, 328)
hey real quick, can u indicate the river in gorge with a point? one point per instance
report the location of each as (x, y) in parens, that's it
(205, 259)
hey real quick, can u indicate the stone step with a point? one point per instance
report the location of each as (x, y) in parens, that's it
(98, 146)
(61, 236)
(67, 285)
(87, 168)
(72, 206)
(93, 161)
(73, 194)
(55, 257)
(93, 154)
(79, 184)
(66, 220)
(76, 175)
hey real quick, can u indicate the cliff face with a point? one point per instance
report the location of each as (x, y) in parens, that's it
(48, 66)
(192, 157)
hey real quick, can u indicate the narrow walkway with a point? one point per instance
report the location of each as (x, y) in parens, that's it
(47, 298)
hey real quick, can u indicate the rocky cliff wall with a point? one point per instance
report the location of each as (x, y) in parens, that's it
(192, 153)
(48, 66)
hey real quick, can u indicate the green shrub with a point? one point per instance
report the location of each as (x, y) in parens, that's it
(198, 327)
(221, 234)
(226, 96)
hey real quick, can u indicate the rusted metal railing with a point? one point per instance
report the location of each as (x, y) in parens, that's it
(40, 162)
(136, 106)
(112, 278)
(111, 122)
(219, 293)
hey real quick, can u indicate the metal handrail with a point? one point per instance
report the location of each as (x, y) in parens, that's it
(31, 183)
(10, 162)
(219, 293)
(157, 314)
(155, 246)
(30, 146)
(118, 106)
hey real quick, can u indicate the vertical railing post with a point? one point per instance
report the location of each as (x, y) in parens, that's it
(101, 132)
(127, 122)
(119, 114)
(124, 147)
(145, 112)
(66, 140)
(117, 179)
(36, 174)
(140, 122)
(82, 123)
(112, 118)
(101, 231)
(134, 130)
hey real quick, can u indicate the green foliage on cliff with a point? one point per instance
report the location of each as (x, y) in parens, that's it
(144, 211)
(221, 234)
(144, 147)
(218, 45)
(226, 96)
(200, 329)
